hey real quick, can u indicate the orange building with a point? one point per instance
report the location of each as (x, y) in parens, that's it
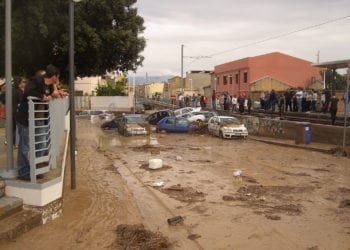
(241, 75)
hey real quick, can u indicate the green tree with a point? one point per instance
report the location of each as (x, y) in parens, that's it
(107, 36)
(340, 81)
(111, 89)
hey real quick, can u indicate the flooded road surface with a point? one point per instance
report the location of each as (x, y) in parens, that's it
(282, 198)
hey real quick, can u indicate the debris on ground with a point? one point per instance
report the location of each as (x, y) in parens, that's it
(185, 194)
(175, 220)
(137, 237)
(179, 158)
(344, 204)
(158, 184)
(269, 200)
(273, 217)
(155, 163)
(193, 236)
(145, 166)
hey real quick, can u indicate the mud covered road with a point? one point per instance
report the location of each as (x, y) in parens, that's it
(285, 198)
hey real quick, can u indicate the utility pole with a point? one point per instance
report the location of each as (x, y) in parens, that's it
(318, 57)
(182, 67)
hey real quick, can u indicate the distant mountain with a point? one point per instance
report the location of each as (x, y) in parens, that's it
(150, 79)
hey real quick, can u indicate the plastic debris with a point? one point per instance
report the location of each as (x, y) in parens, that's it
(158, 184)
(237, 173)
(179, 158)
(155, 163)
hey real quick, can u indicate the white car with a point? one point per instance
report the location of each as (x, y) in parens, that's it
(226, 127)
(194, 116)
(181, 111)
(203, 116)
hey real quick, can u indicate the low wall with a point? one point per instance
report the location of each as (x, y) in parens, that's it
(288, 130)
(112, 103)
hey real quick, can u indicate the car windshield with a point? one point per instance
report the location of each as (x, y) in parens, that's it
(135, 119)
(230, 120)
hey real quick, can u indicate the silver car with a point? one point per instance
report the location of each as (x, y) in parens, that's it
(226, 127)
(133, 124)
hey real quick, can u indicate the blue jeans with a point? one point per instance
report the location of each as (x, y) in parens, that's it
(23, 150)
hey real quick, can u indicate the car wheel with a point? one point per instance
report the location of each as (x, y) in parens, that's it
(221, 135)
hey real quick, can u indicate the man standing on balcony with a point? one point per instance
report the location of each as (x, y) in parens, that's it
(42, 87)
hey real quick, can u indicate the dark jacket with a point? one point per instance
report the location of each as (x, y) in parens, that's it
(36, 87)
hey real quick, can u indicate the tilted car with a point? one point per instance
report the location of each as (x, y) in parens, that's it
(226, 127)
(175, 124)
(203, 116)
(133, 124)
(181, 111)
(155, 117)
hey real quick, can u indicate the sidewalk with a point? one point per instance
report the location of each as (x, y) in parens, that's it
(313, 146)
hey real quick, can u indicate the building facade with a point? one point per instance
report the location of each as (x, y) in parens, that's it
(265, 71)
(196, 81)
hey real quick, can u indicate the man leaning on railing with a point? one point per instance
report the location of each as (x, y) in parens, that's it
(42, 86)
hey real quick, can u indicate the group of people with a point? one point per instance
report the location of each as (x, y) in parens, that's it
(302, 100)
(196, 100)
(234, 102)
(44, 85)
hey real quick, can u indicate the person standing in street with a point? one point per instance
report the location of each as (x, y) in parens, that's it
(333, 108)
(234, 103)
(42, 87)
(19, 84)
(213, 100)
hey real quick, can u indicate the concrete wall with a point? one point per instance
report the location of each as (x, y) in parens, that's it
(288, 129)
(113, 103)
(267, 84)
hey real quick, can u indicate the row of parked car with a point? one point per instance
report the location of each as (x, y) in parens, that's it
(180, 120)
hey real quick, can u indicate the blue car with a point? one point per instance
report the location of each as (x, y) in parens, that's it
(175, 124)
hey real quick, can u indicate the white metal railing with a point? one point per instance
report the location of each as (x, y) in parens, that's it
(46, 128)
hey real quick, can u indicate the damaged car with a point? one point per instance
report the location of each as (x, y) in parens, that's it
(226, 127)
(133, 124)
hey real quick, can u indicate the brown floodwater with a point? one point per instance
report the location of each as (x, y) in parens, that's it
(283, 198)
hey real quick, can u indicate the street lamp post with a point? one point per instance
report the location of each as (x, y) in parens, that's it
(71, 93)
(346, 107)
(10, 171)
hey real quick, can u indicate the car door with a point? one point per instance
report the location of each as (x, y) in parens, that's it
(169, 124)
(216, 126)
(211, 125)
(181, 124)
(152, 119)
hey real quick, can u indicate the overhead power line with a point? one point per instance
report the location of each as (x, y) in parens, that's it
(280, 35)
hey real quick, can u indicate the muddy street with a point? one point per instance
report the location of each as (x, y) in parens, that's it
(282, 198)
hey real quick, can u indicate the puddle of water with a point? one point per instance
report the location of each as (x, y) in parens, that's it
(116, 140)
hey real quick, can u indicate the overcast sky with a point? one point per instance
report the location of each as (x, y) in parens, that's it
(219, 28)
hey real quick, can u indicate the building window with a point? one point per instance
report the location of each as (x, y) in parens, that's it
(245, 77)
(230, 79)
(237, 78)
(225, 80)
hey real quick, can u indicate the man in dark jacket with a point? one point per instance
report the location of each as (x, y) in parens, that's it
(42, 87)
(333, 108)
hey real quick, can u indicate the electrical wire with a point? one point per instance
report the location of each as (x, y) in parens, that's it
(281, 35)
